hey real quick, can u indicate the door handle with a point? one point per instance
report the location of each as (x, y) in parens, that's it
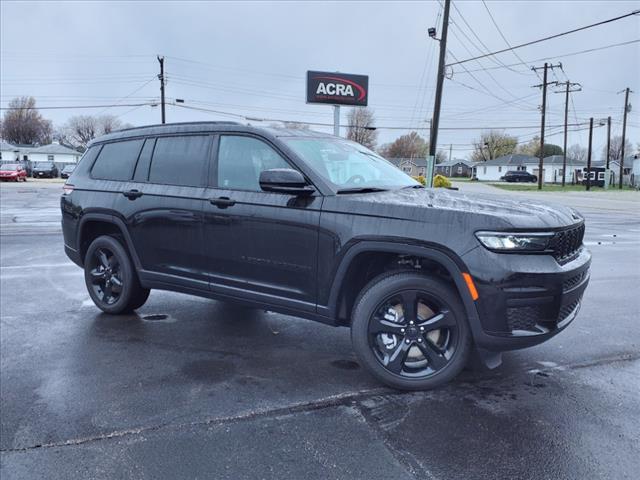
(222, 202)
(132, 194)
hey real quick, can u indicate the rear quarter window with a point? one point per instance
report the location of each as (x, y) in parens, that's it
(117, 160)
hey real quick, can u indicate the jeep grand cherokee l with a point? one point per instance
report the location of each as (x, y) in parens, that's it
(319, 227)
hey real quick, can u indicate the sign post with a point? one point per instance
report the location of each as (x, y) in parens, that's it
(337, 89)
(429, 170)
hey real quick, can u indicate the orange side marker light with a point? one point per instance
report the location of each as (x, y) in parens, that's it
(470, 285)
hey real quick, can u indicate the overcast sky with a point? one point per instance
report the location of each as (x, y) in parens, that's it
(250, 58)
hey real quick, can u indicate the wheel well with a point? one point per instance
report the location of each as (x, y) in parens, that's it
(368, 265)
(93, 229)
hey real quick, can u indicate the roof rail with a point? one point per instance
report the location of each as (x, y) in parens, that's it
(219, 122)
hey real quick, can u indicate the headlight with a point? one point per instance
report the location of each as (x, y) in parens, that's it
(515, 242)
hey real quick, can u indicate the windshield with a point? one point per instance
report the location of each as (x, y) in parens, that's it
(9, 167)
(44, 165)
(69, 168)
(349, 165)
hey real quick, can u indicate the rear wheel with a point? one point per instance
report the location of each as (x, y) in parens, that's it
(111, 278)
(410, 331)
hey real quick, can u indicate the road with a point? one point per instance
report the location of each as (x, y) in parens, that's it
(193, 388)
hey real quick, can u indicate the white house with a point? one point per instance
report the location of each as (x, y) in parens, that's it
(493, 170)
(56, 153)
(10, 153)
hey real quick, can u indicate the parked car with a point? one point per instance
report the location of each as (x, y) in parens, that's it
(519, 176)
(13, 172)
(67, 170)
(45, 170)
(316, 226)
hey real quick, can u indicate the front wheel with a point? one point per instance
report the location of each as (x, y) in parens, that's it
(110, 277)
(410, 331)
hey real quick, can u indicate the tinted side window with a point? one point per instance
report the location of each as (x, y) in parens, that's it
(142, 168)
(180, 161)
(241, 159)
(117, 160)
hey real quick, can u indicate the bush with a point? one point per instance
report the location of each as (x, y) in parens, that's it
(440, 181)
(421, 179)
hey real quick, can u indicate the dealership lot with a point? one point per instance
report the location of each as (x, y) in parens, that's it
(193, 388)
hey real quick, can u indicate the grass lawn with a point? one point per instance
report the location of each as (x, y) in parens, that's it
(530, 187)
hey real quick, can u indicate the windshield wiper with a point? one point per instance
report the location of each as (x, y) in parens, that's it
(413, 186)
(362, 190)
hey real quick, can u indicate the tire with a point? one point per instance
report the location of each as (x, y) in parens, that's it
(403, 356)
(110, 277)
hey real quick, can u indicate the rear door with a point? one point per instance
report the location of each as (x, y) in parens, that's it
(163, 207)
(259, 244)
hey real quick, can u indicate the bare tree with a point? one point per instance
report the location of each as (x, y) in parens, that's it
(577, 153)
(615, 149)
(360, 127)
(411, 145)
(23, 124)
(493, 144)
(81, 129)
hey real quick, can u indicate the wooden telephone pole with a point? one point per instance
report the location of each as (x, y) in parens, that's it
(568, 90)
(544, 84)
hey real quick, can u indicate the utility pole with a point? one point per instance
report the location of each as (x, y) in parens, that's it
(608, 141)
(624, 134)
(161, 78)
(589, 154)
(433, 141)
(450, 151)
(568, 90)
(544, 111)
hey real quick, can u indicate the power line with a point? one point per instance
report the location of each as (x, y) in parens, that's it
(505, 39)
(603, 22)
(562, 56)
(71, 107)
(495, 60)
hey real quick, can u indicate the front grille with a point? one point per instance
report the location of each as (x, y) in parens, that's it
(566, 243)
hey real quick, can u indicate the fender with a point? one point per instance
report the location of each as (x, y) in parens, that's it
(114, 220)
(454, 267)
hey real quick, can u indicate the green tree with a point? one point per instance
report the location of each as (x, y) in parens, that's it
(533, 148)
(411, 145)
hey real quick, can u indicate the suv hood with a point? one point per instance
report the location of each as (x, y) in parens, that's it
(484, 211)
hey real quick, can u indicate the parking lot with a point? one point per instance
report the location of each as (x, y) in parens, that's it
(193, 388)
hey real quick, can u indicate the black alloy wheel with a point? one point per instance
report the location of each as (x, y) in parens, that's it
(106, 276)
(110, 276)
(410, 331)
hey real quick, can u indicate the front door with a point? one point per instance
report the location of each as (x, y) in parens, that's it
(258, 244)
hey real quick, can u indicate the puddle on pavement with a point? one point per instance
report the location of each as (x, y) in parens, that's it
(158, 318)
(345, 364)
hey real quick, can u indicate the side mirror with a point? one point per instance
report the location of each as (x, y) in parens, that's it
(285, 180)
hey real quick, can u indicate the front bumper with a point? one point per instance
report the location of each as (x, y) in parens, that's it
(525, 300)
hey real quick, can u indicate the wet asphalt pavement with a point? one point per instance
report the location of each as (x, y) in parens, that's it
(210, 390)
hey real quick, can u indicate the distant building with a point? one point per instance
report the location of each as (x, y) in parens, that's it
(56, 153)
(493, 170)
(410, 166)
(455, 168)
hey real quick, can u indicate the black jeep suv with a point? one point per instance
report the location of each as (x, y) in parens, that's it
(319, 227)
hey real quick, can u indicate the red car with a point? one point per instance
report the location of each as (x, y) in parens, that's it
(13, 172)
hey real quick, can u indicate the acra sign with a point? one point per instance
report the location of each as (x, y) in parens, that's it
(337, 88)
